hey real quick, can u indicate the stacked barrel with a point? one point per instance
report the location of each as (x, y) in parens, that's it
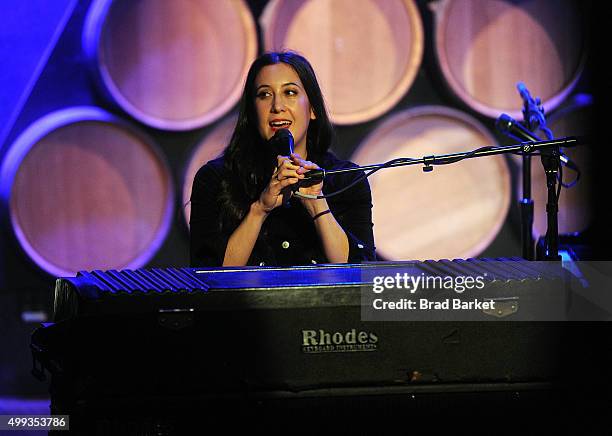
(91, 187)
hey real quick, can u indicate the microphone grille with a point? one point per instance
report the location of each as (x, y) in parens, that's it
(504, 122)
(282, 134)
(282, 141)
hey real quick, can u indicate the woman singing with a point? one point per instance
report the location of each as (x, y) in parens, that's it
(248, 207)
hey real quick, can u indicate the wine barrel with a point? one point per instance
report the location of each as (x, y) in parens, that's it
(454, 211)
(174, 65)
(484, 47)
(209, 148)
(85, 190)
(365, 53)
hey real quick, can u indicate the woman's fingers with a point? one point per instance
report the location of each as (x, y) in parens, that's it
(289, 171)
(286, 182)
(286, 170)
(285, 162)
(289, 174)
(291, 168)
(281, 179)
(272, 196)
(297, 159)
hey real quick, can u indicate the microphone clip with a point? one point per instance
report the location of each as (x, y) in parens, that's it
(427, 160)
(527, 147)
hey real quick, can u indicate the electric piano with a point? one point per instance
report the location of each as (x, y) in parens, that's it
(297, 333)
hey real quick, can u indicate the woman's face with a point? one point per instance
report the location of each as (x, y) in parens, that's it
(281, 103)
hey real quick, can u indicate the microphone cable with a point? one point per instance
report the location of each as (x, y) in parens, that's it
(391, 163)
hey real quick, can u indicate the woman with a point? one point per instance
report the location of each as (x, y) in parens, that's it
(243, 207)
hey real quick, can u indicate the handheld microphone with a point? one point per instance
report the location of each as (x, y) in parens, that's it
(282, 142)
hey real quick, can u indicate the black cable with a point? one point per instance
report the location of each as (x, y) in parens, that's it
(387, 164)
(564, 184)
(560, 176)
(573, 182)
(366, 175)
(445, 161)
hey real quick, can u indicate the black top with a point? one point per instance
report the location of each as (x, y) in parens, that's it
(288, 236)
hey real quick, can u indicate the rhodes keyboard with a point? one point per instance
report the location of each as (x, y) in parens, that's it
(515, 283)
(299, 332)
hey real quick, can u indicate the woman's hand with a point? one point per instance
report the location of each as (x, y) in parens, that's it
(312, 206)
(287, 173)
(304, 167)
(333, 238)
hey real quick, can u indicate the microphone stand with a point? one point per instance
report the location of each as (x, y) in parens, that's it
(551, 163)
(526, 205)
(551, 157)
(549, 150)
(533, 116)
(445, 159)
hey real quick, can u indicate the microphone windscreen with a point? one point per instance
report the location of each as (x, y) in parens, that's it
(504, 123)
(282, 141)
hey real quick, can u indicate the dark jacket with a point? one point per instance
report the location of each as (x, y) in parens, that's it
(288, 236)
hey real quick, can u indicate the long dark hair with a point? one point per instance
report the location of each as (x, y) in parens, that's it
(248, 161)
